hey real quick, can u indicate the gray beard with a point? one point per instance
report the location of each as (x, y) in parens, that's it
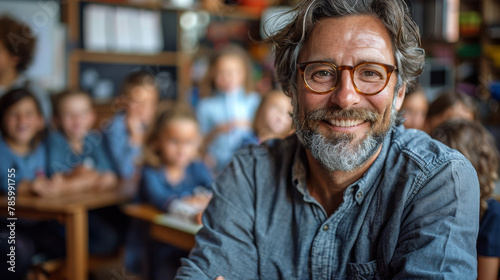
(341, 153)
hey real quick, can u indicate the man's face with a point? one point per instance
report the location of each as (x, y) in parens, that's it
(342, 129)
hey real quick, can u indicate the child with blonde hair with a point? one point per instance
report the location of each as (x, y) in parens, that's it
(226, 117)
(172, 180)
(273, 118)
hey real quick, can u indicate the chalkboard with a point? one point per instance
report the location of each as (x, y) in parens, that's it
(103, 80)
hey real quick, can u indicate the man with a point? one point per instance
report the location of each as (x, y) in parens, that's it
(351, 196)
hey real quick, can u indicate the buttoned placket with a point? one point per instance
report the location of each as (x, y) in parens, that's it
(325, 246)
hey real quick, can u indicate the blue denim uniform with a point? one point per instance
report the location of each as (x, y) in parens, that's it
(413, 214)
(34, 239)
(155, 189)
(63, 159)
(162, 260)
(104, 233)
(223, 108)
(123, 153)
(26, 167)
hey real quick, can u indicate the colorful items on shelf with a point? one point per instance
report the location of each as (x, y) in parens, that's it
(493, 52)
(470, 23)
(469, 50)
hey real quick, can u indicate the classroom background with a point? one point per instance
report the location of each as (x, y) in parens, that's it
(93, 45)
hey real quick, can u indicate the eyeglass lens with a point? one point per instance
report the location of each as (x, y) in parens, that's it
(367, 78)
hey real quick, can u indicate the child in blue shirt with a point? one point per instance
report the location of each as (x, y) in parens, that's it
(76, 153)
(124, 135)
(74, 150)
(173, 180)
(23, 154)
(226, 117)
(478, 146)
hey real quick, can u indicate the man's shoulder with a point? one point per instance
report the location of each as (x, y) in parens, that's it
(419, 147)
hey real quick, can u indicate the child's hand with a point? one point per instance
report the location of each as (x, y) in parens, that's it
(39, 186)
(106, 181)
(199, 201)
(53, 187)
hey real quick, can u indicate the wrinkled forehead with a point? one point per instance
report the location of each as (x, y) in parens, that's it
(363, 37)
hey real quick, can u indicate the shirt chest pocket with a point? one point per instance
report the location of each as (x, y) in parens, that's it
(364, 271)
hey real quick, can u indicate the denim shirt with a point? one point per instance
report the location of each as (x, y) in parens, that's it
(413, 215)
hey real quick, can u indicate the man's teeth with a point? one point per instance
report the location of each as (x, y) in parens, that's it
(345, 123)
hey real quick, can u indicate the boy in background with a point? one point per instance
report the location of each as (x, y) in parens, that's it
(125, 134)
(76, 153)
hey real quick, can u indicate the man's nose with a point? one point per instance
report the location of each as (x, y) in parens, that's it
(345, 95)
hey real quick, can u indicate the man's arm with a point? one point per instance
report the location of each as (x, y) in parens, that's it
(225, 246)
(439, 227)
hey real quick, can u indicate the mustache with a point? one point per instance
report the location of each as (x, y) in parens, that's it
(327, 114)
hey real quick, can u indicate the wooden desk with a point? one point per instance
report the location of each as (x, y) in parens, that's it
(71, 211)
(164, 227)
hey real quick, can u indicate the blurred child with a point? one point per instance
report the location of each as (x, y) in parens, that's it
(450, 105)
(226, 118)
(273, 117)
(173, 180)
(17, 48)
(414, 108)
(23, 155)
(478, 145)
(125, 135)
(76, 153)
(73, 149)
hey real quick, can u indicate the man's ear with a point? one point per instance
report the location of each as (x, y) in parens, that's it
(401, 97)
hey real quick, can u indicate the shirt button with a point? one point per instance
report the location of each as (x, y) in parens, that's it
(325, 227)
(359, 194)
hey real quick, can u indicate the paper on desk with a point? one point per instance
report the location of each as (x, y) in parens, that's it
(177, 223)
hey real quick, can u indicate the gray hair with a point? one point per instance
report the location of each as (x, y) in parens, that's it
(288, 42)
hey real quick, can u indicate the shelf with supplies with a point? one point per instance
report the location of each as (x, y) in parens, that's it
(109, 38)
(490, 62)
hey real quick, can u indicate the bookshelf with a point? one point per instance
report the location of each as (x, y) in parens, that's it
(171, 58)
(472, 58)
(490, 41)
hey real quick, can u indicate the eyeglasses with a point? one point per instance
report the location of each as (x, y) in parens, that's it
(368, 77)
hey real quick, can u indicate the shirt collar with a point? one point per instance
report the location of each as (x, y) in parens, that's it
(299, 170)
(360, 188)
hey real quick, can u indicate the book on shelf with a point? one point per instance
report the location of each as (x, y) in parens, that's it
(109, 28)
